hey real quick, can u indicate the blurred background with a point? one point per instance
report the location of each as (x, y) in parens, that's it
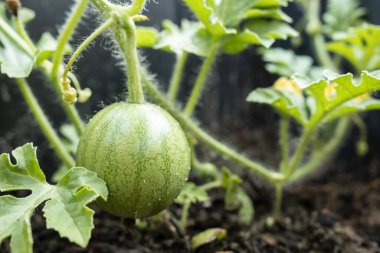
(251, 128)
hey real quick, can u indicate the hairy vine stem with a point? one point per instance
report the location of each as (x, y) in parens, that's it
(314, 30)
(322, 156)
(300, 151)
(177, 76)
(103, 6)
(136, 7)
(63, 40)
(21, 29)
(200, 81)
(284, 138)
(127, 39)
(100, 30)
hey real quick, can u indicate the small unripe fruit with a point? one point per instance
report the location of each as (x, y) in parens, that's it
(142, 154)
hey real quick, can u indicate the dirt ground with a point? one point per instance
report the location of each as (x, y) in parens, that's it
(335, 213)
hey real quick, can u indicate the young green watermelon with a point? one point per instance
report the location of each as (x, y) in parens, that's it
(142, 154)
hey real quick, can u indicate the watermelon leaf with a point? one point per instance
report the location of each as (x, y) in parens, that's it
(66, 203)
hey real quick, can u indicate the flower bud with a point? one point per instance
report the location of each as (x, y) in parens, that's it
(13, 6)
(70, 96)
(84, 95)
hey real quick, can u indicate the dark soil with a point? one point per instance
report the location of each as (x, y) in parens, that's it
(340, 214)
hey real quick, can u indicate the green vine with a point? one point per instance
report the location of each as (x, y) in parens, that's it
(200, 82)
(177, 77)
(127, 39)
(44, 123)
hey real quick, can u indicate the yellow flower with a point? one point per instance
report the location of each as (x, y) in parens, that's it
(330, 91)
(286, 84)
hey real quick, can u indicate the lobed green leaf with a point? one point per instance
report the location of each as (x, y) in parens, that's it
(205, 12)
(232, 12)
(360, 46)
(191, 37)
(286, 63)
(340, 17)
(321, 101)
(192, 194)
(239, 24)
(273, 13)
(66, 203)
(46, 46)
(285, 101)
(15, 61)
(258, 32)
(340, 92)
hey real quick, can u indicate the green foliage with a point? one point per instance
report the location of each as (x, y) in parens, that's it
(324, 100)
(191, 37)
(257, 32)
(236, 198)
(286, 63)
(46, 47)
(15, 62)
(18, 61)
(232, 12)
(285, 96)
(207, 236)
(234, 24)
(271, 3)
(207, 13)
(273, 13)
(146, 36)
(70, 140)
(360, 46)
(345, 94)
(342, 15)
(65, 207)
(239, 24)
(192, 194)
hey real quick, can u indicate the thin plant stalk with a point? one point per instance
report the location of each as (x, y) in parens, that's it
(44, 123)
(127, 41)
(85, 44)
(284, 139)
(200, 81)
(318, 41)
(63, 40)
(21, 29)
(175, 81)
(300, 151)
(320, 157)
